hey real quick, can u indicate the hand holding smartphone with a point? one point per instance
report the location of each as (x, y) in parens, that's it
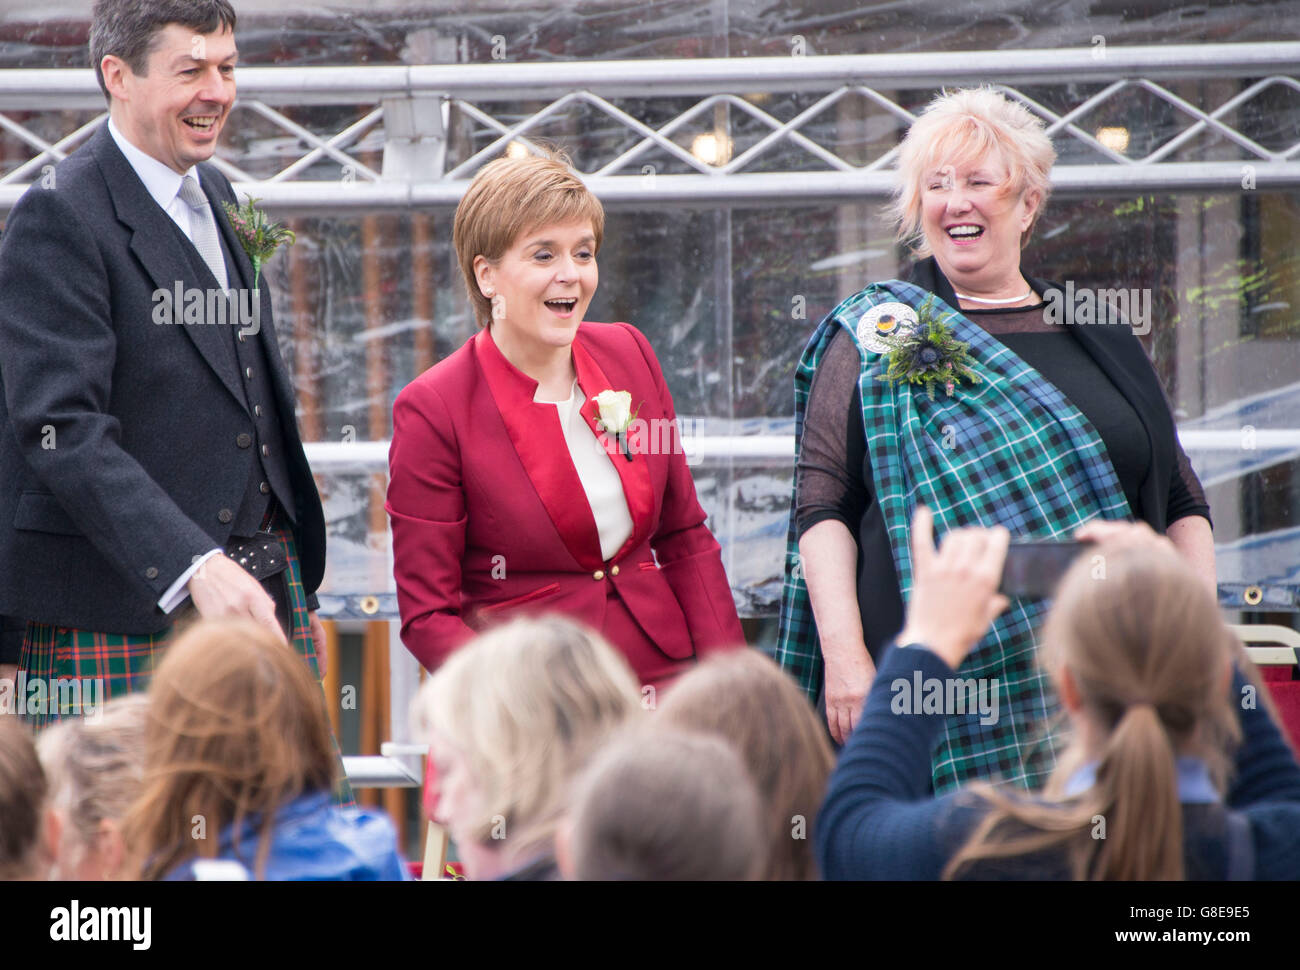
(1034, 567)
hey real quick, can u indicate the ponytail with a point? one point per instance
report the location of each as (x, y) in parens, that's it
(1143, 819)
(1128, 826)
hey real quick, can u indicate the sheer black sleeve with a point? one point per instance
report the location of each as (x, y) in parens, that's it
(829, 474)
(1186, 496)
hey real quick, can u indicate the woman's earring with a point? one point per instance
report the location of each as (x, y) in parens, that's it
(498, 306)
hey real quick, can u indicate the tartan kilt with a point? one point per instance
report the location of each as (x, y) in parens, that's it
(121, 663)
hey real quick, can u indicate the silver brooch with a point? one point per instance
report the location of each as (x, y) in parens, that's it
(882, 322)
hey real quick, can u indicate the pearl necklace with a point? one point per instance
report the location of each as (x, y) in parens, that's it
(979, 299)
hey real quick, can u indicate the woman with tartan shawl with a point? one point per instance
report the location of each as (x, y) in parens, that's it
(961, 390)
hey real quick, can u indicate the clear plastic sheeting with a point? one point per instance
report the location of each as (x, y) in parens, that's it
(729, 296)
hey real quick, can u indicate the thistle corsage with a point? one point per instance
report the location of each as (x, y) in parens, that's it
(616, 416)
(929, 354)
(259, 236)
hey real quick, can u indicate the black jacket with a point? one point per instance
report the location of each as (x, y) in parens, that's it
(120, 439)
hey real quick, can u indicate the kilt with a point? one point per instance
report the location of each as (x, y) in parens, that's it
(122, 663)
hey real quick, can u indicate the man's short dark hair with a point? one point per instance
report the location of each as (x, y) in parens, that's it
(128, 28)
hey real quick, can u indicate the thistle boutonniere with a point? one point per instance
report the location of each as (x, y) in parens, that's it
(259, 236)
(929, 354)
(616, 415)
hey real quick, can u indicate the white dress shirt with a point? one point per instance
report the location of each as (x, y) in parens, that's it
(596, 473)
(164, 185)
(160, 181)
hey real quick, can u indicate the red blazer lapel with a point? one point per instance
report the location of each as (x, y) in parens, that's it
(540, 444)
(634, 474)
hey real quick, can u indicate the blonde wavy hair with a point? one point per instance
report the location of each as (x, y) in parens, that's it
(965, 127)
(526, 704)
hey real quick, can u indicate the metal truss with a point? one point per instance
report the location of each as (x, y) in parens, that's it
(437, 124)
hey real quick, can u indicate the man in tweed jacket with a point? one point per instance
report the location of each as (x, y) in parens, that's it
(135, 445)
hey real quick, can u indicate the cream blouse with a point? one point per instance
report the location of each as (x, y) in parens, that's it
(596, 472)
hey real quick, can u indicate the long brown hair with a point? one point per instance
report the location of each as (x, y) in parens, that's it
(236, 729)
(743, 697)
(1143, 641)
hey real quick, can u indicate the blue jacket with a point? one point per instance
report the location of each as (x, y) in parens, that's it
(313, 840)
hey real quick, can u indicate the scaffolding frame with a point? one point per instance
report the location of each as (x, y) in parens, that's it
(412, 112)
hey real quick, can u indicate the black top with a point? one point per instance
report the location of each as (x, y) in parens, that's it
(834, 477)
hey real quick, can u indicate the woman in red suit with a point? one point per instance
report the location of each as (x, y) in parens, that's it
(511, 490)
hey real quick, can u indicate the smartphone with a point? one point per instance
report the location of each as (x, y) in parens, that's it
(1035, 566)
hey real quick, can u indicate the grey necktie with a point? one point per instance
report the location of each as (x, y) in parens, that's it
(206, 240)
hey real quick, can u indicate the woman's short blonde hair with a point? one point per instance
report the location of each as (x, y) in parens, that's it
(964, 127)
(511, 196)
(526, 704)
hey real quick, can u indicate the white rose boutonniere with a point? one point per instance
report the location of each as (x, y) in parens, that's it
(616, 415)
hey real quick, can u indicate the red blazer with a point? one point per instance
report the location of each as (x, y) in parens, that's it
(489, 516)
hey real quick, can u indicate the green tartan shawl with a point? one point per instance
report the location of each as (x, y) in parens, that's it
(1011, 451)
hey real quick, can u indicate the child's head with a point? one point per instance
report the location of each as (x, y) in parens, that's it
(661, 804)
(1141, 658)
(511, 718)
(95, 767)
(237, 727)
(744, 698)
(26, 849)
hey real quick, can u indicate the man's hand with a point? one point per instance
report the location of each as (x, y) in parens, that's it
(221, 588)
(954, 590)
(319, 639)
(848, 677)
(9, 672)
